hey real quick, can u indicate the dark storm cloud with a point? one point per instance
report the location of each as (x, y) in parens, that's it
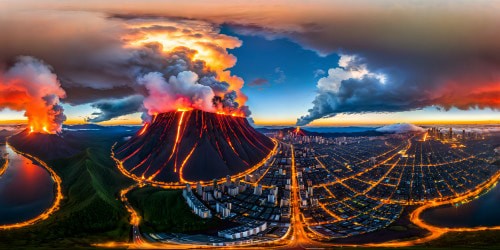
(356, 89)
(89, 58)
(81, 95)
(364, 95)
(91, 54)
(114, 108)
(443, 53)
(432, 54)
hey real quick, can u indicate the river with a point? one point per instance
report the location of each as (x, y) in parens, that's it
(483, 211)
(26, 188)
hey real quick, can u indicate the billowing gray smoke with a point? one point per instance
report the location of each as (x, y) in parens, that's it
(353, 87)
(109, 109)
(98, 60)
(29, 85)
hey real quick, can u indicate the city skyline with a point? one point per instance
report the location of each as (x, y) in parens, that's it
(276, 124)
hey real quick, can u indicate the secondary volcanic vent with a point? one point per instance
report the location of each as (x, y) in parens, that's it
(193, 145)
(43, 145)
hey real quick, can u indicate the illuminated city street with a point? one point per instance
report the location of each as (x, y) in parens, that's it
(263, 124)
(317, 209)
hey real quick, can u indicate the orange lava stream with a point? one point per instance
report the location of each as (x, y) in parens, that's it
(3, 168)
(178, 142)
(143, 130)
(177, 138)
(181, 176)
(180, 185)
(297, 236)
(57, 199)
(135, 219)
(228, 139)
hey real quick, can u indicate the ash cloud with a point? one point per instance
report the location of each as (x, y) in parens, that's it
(102, 57)
(449, 52)
(181, 91)
(30, 86)
(354, 87)
(109, 109)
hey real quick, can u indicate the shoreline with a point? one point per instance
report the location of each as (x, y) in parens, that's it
(57, 193)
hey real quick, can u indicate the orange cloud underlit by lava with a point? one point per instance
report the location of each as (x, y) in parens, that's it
(204, 38)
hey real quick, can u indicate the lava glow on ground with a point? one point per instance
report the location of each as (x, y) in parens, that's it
(248, 124)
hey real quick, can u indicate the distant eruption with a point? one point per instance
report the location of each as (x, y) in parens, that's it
(31, 86)
(354, 87)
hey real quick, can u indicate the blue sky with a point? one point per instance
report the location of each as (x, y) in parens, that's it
(289, 70)
(288, 78)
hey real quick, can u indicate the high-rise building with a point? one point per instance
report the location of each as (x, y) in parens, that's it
(271, 198)
(199, 189)
(233, 190)
(310, 190)
(222, 209)
(257, 190)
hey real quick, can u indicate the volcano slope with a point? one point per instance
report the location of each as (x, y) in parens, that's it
(45, 146)
(193, 146)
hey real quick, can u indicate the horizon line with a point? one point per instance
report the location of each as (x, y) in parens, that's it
(134, 123)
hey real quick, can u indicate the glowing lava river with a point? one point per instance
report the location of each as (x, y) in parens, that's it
(299, 238)
(29, 190)
(300, 234)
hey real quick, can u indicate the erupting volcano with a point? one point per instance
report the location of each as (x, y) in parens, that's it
(193, 145)
(42, 144)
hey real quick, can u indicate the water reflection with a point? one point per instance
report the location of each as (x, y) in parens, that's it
(482, 211)
(26, 189)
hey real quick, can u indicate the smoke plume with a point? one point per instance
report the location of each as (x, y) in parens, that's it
(196, 75)
(101, 56)
(179, 92)
(433, 53)
(354, 87)
(30, 86)
(114, 108)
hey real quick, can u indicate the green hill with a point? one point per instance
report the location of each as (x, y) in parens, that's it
(90, 211)
(166, 211)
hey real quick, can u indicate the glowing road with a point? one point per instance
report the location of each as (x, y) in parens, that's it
(298, 235)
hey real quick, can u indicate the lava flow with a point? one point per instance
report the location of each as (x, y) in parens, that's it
(193, 145)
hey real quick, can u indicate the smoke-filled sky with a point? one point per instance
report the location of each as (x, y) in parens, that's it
(281, 62)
